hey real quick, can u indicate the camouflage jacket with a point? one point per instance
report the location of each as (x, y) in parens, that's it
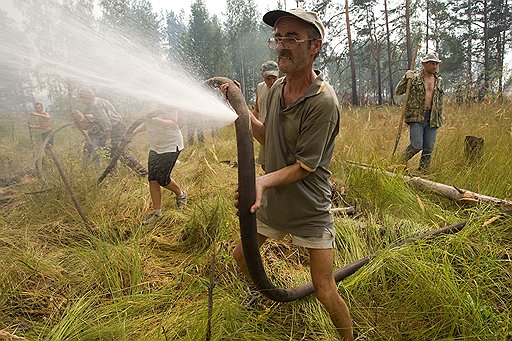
(415, 111)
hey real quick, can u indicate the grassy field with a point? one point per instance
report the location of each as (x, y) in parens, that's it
(127, 281)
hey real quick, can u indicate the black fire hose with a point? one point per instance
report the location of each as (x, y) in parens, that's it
(42, 148)
(39, 166)
(247, 196)
(123, 144)
(74, 199)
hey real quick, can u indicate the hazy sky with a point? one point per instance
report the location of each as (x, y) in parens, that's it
(214, 6)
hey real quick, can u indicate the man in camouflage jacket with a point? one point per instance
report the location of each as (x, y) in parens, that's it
(424, 109)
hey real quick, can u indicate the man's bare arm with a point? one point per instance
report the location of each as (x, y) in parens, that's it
(281, 177)
(43, 114)
(258, 129)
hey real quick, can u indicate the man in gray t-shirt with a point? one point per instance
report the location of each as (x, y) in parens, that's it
(293, 197)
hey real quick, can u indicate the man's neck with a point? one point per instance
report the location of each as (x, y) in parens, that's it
(301, 81)
(427, 75)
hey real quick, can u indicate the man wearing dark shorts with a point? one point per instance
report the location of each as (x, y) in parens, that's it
(165, 143)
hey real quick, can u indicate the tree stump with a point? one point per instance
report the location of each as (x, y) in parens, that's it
(473, 148)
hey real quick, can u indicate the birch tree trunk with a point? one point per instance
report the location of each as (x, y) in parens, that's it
(486, 45)
(407, 31)
(390, 71)
(351, 57)
(469, 87)
(428, 23)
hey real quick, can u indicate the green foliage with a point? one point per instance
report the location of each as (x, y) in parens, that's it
(471, 39)
(205, 43)
(16, 85)
(247, 44)
(135, 19)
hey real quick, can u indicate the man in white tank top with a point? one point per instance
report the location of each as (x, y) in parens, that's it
(165, 144)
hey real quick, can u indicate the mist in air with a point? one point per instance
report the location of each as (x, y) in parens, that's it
(76, 51)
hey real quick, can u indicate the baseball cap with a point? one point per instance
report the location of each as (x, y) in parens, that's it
(431, 57)
(270, 18)
(269, 68)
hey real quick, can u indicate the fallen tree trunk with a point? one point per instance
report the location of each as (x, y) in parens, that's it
(451, 192)
(43, 147)
(123, 144)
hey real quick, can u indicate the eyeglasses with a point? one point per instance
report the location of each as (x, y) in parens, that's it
(288, 42)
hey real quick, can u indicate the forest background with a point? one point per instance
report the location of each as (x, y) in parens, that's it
(471, 38)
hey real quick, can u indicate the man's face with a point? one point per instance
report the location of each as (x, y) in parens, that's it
(301, 56)
(38, 108)
(431, 67)
(269, 80)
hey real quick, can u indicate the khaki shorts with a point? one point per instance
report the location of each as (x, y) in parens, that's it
(326, 241)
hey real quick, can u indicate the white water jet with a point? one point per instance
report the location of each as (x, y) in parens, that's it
(106, 60)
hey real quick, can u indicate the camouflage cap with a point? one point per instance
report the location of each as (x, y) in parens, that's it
(430, 57)
(269, 68)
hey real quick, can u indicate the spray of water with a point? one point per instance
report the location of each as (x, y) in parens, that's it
(101, 59)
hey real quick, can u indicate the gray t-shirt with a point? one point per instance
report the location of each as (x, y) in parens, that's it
(304, 133)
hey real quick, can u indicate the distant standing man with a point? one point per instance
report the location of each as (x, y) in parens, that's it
(269, 73)
(424, 109)
(293, 197)
(111, 124)
(165, 144)
(45, 123)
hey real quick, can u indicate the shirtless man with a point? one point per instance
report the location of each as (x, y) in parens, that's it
(45, 123)
(424, 110)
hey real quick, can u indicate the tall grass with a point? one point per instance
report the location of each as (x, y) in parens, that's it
(128, 281)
